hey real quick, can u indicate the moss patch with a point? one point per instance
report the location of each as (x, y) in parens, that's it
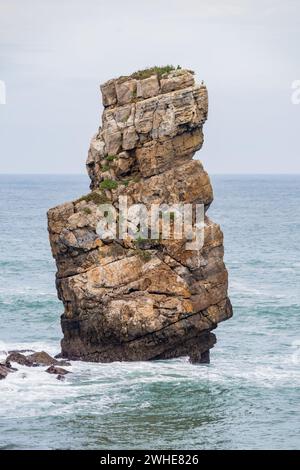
(108, 184)
(105, 168)
(87, 210)
(143, 254)
(125, 182)
(111, 158)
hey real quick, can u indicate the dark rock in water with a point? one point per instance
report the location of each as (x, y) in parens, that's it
(3, 372)
(33, 360)
(60, 377)
(57, 370)
(36, 359)
(200, 358)
(44, 359)
(5, 369)
(9, 366)
(19, 359)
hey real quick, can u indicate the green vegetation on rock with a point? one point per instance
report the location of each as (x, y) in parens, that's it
(108, 184)
(125, 182)
(143, 254)
(111, 158)
(105, 168)
(156, 70)
(94, 196)
(148, 72)
(87, 210)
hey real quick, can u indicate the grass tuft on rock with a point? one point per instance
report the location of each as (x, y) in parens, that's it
(105, 168)
(143, 254)
(87, 210)
(156, 70)
(94, 196)
(126, 182)
(108, 184)
(148, 72)
(111, 158)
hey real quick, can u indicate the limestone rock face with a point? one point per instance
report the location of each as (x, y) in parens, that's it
(141, 299)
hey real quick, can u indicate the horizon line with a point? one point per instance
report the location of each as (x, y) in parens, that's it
(210, 174)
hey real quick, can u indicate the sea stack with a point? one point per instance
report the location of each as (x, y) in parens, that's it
(141, 298)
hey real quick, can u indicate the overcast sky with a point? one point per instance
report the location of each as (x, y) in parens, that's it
(55, 53)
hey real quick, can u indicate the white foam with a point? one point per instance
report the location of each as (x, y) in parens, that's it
(97, 388)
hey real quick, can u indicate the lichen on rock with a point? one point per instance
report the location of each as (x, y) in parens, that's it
(125, 300)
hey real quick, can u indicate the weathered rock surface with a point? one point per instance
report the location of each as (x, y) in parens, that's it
(44, 359)
(20, 359)
(125, 300)
(57, 370)
(5, 369)
(35, 359)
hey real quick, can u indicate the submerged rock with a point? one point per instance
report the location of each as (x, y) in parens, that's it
(33, 360)
(128, 299)
(57, 370)
(44, 359)
(19, 359)
(41, 358)
(36, 359)
(5, 369)
(60, 377)
(9, 366)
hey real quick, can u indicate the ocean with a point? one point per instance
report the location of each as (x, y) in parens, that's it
(247, 398)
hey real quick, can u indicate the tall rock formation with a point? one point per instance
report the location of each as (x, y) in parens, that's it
(141, 299)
